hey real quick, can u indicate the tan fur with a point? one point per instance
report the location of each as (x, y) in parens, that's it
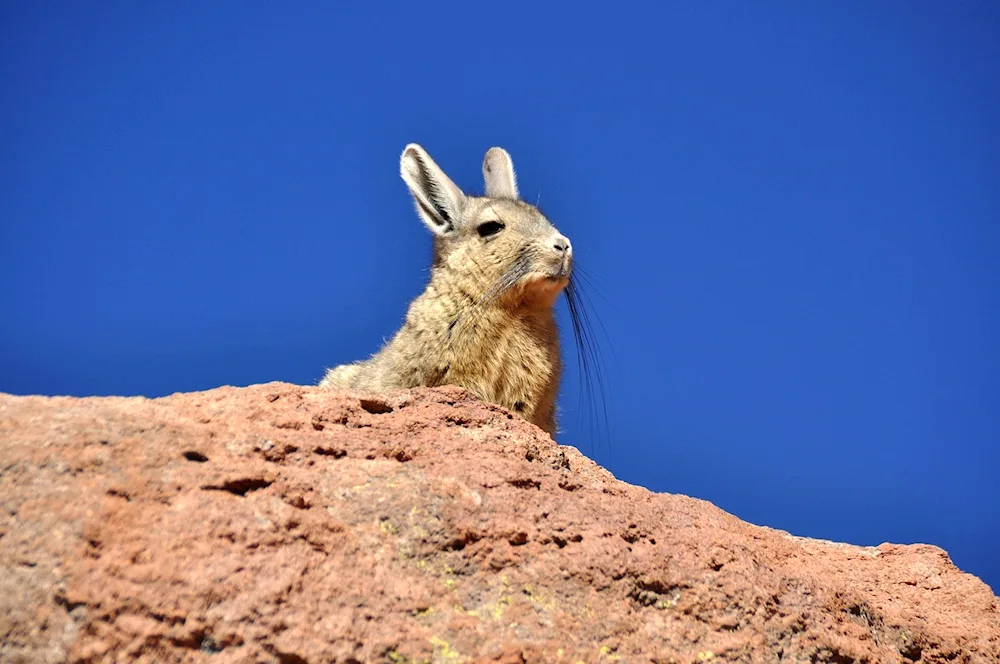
(502, 348)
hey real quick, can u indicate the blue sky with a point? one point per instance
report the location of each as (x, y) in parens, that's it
(791, 212)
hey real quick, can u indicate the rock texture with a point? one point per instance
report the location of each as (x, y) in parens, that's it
(279, 523)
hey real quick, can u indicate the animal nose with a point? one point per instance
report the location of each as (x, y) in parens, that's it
(562, 244)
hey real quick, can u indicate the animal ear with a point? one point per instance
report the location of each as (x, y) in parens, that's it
(439, 200)
(498, 172)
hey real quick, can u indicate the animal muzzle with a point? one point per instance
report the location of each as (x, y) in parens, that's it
(563, 255)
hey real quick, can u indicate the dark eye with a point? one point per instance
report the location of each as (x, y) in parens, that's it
(488, 228)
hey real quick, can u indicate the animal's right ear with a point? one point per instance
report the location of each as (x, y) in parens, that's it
(498, 173)
(439, 200)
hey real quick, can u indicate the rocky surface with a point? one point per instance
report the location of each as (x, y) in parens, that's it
(279, 523)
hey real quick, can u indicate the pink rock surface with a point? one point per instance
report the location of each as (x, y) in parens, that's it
(279, 523)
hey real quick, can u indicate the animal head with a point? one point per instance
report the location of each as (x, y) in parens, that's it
(504, 246)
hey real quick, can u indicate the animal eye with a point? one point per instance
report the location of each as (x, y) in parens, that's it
(488, 228)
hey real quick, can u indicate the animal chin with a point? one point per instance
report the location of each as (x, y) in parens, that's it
(554, 280)
(561, 273)
(540, 289)
(556, 271)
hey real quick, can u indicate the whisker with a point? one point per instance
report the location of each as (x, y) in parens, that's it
(593, 275)
(590, 303)
(591, 279)
(507, 280)
(592, 370)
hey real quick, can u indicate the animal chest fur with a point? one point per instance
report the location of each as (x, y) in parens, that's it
(509, 361)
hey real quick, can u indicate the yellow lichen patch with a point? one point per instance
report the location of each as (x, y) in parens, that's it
(609, 654)
(443, 651)
(399, 658)
(361, 487)
(458, 608)
(387, 528)
(493, 610)
(434, 566)
(538, 600)
(444, 572)
(416, 518)
(705, 655)
(496, 608)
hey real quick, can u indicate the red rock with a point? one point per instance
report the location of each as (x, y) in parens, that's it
(290, 524)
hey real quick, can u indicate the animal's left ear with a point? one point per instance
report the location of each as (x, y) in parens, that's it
(498, 172)
(439, 200)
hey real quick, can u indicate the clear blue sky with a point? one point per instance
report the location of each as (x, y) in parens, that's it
(792, 211)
